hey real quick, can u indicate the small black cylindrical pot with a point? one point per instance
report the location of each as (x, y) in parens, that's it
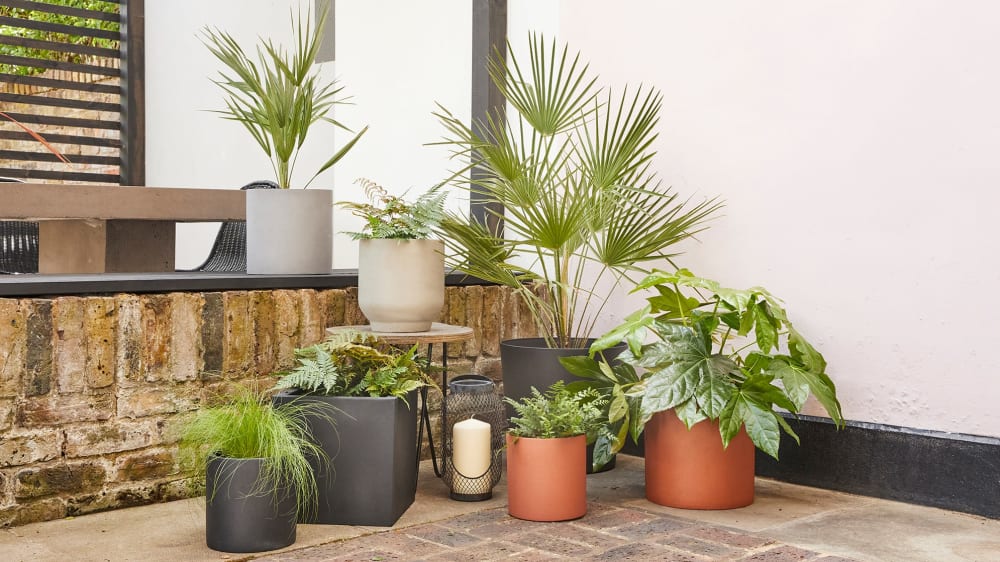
(243, 513)
(528, 362)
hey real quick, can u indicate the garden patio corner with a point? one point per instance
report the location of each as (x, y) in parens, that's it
(570, 205)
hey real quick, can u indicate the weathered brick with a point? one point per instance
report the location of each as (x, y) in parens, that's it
(312, 325)
(58, 479)
(335, 303)
(474, 319)
(264, 331)
(29, 448)
(456, 317)
(39, 349)
(352, 312)
(185, 360)
(100, 318)
(41, 411)
(32, 512)
(13, 346)
(492, 320)
(8, 407)
(118, 497)
(286, 309)
(156, 342)
(69, 344)
(180, 489)
(212, 334)
(145, 465)
(128, 351)
(238, 339)
(102, 439)
(157, 400)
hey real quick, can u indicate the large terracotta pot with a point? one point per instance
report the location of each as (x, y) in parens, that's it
(689, 469)
(546, 478)
(401, 283)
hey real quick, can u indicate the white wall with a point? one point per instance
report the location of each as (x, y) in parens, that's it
(855, 145)
(394, 58)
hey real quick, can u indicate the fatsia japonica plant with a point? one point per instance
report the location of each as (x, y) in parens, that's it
(719, 354)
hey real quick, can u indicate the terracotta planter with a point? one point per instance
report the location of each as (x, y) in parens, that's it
(691, 470)
(401, 283)
(546, 478)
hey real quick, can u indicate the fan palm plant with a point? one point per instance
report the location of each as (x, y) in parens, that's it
(571, 170)
(279, 97)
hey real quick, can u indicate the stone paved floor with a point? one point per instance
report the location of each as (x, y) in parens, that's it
(607, 532)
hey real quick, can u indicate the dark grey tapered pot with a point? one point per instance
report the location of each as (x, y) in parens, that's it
(372, 478)
(528, 362)
(242, 516)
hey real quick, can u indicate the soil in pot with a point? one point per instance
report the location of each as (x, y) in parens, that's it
(690, 469)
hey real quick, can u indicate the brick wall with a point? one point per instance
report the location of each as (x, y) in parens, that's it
(91, 388)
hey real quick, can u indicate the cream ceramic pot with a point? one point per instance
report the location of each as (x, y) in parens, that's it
(401, 283)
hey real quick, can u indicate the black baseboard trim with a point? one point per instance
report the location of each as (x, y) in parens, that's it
(947, 470)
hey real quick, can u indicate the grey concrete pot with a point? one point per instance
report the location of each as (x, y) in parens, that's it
(237, 518)
(528, 362)
(372, 479)
(401, 283)
(289, 231)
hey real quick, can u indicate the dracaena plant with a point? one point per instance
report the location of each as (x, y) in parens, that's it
(355, 364)
(569, 175)
(719, 354)
(279, 96)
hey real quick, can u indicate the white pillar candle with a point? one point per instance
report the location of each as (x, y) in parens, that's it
(471, 456)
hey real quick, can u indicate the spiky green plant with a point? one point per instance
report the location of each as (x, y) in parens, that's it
(580, 201)
(350, 363)
(280, 96)
(557, 413)
(247, 426)
(392, 217)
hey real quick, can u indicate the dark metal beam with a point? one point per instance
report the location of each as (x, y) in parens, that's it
(133, 98)
(489, 38)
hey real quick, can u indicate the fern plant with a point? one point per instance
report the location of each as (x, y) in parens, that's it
(391, 216)
(351, 363)
(557, 413)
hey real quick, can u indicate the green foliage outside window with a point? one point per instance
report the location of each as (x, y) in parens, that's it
(40, 16)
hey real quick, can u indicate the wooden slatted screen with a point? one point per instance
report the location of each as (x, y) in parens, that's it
(61, 74)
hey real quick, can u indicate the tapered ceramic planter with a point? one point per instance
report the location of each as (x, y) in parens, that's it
(546, 480)
(240, 515)
(289, 231)
(372, 445)
(528, 362)
(401, 283)
(689, 469)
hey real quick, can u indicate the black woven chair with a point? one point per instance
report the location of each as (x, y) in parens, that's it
(229, 253)
(18, 244)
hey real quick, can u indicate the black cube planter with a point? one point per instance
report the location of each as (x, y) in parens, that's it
(240, 514)
(372, 478)
(528, 362)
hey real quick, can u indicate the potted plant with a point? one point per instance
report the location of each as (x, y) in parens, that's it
(395, 245)
(546, 453)
(371, 389)
(252, 457)
(723, 361)
(278, 97)
(569, 177)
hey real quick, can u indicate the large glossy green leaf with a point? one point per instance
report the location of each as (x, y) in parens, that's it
(799, 382)
(583, 367)
(631, 330)
(689, 413)
(714, 391)
(765, 328)
(760, 422)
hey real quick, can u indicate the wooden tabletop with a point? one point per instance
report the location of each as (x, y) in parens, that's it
(439, 333)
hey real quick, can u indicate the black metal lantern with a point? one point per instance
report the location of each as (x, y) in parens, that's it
(472, 465)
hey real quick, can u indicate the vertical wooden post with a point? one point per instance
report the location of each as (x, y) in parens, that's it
(489, 38)
(133, 97)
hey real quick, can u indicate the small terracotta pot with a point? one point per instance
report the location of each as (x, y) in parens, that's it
(689, 469)
(547, 478)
